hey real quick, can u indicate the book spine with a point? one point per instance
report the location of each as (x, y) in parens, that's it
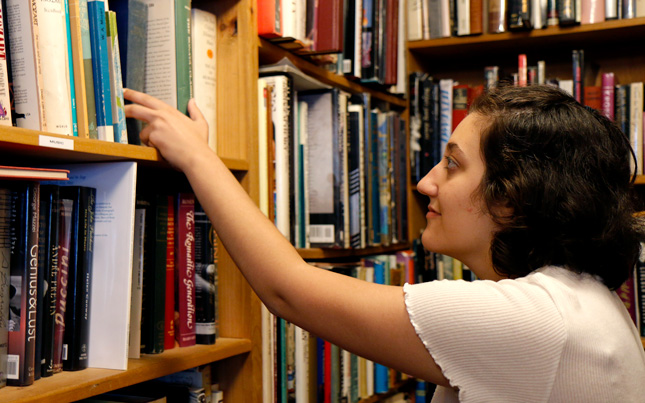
(116, 80)
(6, 115)
(23, 279)
(48, 273)
(5, 273)
(77, 58)
(86, 67)
(169, 321)
(100, 69)
(204, 60)
(77, 320)
(134, 343)
(270, 18)
(27, 79)
(52, 45)
(205, 274)
(71, 74)
(383, 163)
(64, 248)
(183, 58)
(608, 84)
(578, 75)
(185, 270)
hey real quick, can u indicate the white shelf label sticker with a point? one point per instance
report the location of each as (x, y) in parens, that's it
(56, 142)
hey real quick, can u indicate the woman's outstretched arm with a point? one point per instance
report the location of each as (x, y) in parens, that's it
(367, 319)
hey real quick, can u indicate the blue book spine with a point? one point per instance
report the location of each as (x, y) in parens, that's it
(101, 69)
(118, 109)
(70, 66)
(381, 372)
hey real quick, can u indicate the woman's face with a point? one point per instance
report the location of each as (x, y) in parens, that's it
(457, 225)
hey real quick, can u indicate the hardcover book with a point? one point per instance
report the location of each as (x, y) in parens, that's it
(183, 53)
(116, 80)
(101, 69)
(204, 54)
(185, 331)
(77, 59)
(64, 247)
(607, 87)
(6, 79)
(76, 339)
(270, 18)
(24, 222)
(206, 249)
(169, 315)
(134, 345)
(5, 261)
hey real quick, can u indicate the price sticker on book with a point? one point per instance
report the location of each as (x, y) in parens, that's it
(56, 142)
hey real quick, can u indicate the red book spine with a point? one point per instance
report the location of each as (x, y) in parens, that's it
(328, 37)
(169, 323)
(608, 85)
(522, 70)
(65, 243)
(270, 18)
(185, 270)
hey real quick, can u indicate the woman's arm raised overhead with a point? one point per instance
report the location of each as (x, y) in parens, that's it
(365, 318)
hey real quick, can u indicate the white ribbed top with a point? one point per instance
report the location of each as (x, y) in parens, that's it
(552, 336)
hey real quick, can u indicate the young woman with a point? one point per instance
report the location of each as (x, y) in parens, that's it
(533, 195)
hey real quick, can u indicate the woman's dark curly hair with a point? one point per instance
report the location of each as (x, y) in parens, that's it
(564, 172)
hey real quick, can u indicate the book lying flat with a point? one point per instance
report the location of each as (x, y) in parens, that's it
(10, 172)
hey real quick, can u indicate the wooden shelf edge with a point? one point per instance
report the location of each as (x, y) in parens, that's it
(270, 52)
(71, 386)
(610, 25)
(322, 254)
(28, 142)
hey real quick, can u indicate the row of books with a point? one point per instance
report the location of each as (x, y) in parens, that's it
(334, 166)
(432, 19)
(83, 278)
(67, 65)
(366, 37)
(308, 368)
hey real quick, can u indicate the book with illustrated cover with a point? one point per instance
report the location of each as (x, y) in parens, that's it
(24, 226)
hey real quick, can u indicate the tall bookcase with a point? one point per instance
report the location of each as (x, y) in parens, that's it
(236, 356)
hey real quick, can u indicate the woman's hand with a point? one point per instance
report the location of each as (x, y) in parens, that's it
(178, 138)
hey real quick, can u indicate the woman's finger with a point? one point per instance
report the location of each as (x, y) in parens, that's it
(144, 99)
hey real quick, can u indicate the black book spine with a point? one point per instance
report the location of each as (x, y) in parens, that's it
(205, 274)
(77, 321)
(24, 283)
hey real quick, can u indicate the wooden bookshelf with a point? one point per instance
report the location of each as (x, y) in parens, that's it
(70, 386)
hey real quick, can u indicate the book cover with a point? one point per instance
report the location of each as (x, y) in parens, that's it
(154, 273)
(115, 184)
(206, 249)
(281, 116)
(5, 273)
(6, 80)
(607, 87)
(76, 339)
(48, 245)
(160, 78)
(185, 270)
(26, 71)
(134, 343)
(204, 63)
(24, 222)
(116, 80)
(132, 25)
(100, 69)
(77, 62)
(270, 18)
(323, 159)
(169, 309)
(32, 173)
(64, 247)
(54, 60)
(183, 53)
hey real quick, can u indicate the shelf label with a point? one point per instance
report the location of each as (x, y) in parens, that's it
(56, 142)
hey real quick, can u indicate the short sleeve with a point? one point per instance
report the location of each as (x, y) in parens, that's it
(494, 341)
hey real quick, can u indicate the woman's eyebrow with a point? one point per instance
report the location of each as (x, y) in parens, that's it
(453, 148)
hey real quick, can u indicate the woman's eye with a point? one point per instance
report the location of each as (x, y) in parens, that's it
(451, 163)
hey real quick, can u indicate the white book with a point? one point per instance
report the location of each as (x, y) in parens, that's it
(5, 100)
(111, 287)
(539, 13)
(415, 20)
(566, 85)
(25, 58)
(445, 111)
(357, 108)
(636, 122)
(358, 39)
(263, 146)
(161, 67)
(289, 17)
(343, 99)
(204, 54)
(281, 117)
(463, 17)
(134, 349)
(54, 60)
(302, 365)
(303, 111)
(401, 86)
